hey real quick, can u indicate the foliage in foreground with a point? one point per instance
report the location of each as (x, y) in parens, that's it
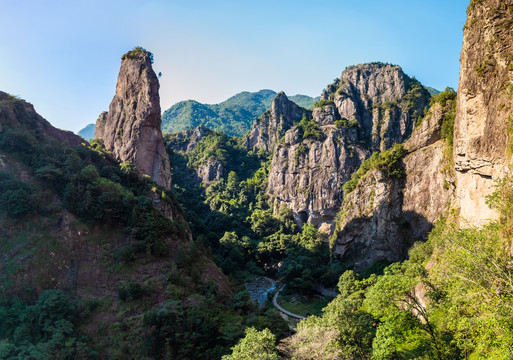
(44, 330)
(461, 308)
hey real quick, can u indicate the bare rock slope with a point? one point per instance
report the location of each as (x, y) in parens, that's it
(131, 129)
(484, 110)
(384, 216)
(370, 108)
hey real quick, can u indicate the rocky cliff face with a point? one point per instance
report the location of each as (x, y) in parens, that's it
(384, 101)
(272, 125)
(372, 228)
(307, 174)
(371, 107)
(131, 128)
(384, 216)
(481, 135)
(17, 113)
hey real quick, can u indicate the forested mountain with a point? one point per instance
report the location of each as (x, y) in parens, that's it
(382, 215)
(233, 117)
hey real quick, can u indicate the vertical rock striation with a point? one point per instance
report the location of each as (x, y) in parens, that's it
(272, 125)
(370, 108)
(384, 216)
(384, 101)
(131, 129)
(484, 109)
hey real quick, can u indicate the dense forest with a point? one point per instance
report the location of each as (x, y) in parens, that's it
(379, 216)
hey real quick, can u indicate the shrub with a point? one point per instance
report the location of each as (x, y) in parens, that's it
(388, 161)
(322, 103)
(310, 129)
(136, 53)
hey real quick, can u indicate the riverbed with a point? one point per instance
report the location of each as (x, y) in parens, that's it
(259, 289)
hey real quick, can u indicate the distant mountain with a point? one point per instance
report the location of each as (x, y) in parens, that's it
(432, 91)
(234, 116)
(87, 132)
(304, 101)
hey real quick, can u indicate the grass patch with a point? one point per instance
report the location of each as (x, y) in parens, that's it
(301, 305)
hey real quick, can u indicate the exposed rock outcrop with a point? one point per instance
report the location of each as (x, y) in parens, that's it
(371, 221)
(131, 128)
(384, 101)
(371, 107)
(429, 189)
(484, 106)
(272, 125)
(307, 175)
(384, 216)
(19, 114)
(211, 171)
(187, 140)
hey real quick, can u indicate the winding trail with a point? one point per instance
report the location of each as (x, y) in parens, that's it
(288, 313)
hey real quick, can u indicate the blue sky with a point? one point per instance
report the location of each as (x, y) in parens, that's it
(64, 56)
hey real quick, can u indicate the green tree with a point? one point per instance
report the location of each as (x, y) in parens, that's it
(256, 345)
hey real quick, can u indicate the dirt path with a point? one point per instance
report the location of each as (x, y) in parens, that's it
(288, 313)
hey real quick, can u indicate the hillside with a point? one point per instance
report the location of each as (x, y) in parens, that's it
(448, 187)
(97, 260)
(234, 116)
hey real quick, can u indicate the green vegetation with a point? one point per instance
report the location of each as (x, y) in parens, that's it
(447, 99)
(390, 162)
(114, 220)
(304, 101)
(136, 53)
(412, 99)
(235, 221)
(459, 307)
(44, 330)
(302, 305)
(255, 345)
(431, 91)
(344, 123)
(16, 198)
(310, 129)
(322, 103)
(234, 117)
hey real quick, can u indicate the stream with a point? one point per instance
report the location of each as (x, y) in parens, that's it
(259, 288)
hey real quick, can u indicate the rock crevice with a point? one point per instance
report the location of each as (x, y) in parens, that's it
(131, 129)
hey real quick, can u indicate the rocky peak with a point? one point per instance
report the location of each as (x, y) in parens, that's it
(131, 129)
(485, 90)
(371, 107)
(384, 101)
(272, 125)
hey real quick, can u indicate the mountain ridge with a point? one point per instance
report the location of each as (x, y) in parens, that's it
(233, 116)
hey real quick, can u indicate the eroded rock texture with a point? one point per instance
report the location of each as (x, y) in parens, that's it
(370, 108)
(272, 125)
(485, 93)
(384, 101)
(131, 128)
(384, 216)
